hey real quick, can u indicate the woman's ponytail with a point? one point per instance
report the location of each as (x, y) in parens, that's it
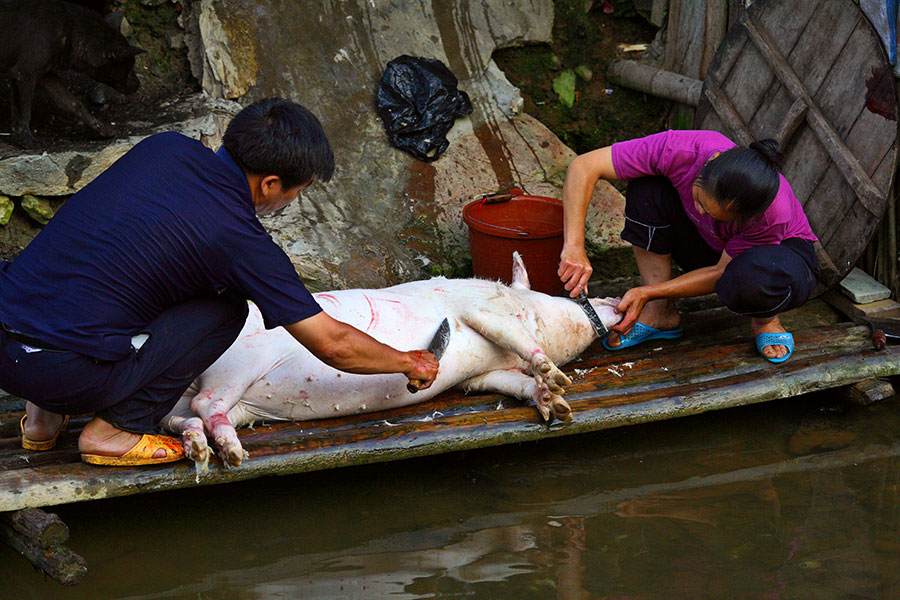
(770, 150)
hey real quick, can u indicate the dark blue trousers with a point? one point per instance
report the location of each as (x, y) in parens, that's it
(760, 282)
(135, 393)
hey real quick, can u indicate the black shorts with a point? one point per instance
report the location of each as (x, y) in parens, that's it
(760, 282)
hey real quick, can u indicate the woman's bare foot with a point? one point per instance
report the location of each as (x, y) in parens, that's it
(41, 425)
(660, 314)
(103, 439)
(769, 325)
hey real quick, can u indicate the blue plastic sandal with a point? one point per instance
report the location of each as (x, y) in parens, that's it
(775, 339)
(644, 333)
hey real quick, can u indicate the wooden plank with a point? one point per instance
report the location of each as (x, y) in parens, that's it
(866, 191)
(689, 40)
(678, 380)
(793, 118)
(671, 54)
(714, 31)
(751, 80)
(845, 237)
(868, 392)
(810, 51)
(857, 312)
(736, 129)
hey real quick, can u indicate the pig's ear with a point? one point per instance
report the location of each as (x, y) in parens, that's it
(519, 274)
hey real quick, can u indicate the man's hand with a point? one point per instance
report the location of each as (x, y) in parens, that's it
(574, 269)
(422, 371)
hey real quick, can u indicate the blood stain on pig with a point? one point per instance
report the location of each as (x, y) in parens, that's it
(218, 420)
(373, 321)
(327, 297)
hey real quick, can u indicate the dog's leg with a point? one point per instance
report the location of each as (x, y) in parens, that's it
(65, 100)
(21, 96)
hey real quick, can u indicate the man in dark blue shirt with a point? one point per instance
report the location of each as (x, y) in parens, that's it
(139, 283)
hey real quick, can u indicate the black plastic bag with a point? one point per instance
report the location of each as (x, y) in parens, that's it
(418, 101)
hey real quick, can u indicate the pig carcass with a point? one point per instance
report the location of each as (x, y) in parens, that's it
(505, 339)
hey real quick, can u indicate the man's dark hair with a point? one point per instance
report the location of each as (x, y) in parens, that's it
(744, 180)
(279, 137)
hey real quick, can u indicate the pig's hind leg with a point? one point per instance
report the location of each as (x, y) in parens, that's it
(518, 385)
(212, 406)
(182, 421)
(515, 338)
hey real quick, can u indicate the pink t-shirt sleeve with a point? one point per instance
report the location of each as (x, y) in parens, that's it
(641, 156)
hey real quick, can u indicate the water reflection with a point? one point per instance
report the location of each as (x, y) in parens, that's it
(795, 499)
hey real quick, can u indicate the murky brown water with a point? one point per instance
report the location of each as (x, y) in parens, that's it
(791, 499)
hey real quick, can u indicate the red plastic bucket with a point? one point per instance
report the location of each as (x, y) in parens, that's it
(531, 225)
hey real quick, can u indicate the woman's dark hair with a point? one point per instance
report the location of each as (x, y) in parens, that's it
(744, 180)
(278, 137)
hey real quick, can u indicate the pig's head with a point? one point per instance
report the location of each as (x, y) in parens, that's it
(606, 310)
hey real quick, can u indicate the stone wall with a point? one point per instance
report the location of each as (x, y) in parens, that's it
(386, 217)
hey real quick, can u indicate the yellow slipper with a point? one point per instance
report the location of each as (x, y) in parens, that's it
(30, 444)
(141, 453)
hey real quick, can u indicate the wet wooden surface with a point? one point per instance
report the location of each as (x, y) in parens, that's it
(715, 365)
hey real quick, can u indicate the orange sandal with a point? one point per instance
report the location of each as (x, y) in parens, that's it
(141, 453)
(30, 444)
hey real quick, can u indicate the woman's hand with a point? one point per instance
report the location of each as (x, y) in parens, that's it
(632, 304)
(574, 269)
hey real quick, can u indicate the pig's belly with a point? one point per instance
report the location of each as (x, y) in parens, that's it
(298, 386)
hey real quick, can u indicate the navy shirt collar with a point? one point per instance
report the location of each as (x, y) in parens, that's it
(235, 170)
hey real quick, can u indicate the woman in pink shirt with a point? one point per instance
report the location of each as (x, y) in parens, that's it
(722, 212)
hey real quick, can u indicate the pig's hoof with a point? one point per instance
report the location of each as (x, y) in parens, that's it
(561, 409)
(232, 454)
(544, 409)
(195, 446)
(549, 374)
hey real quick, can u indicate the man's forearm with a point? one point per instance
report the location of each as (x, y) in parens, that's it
(346, 348)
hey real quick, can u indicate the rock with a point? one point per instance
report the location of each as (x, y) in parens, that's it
(64, 171)
(564, 86)
(584, 72)
(6, 209)
(38, 209)
(385, 217)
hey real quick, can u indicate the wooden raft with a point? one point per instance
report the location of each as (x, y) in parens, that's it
(714, 366)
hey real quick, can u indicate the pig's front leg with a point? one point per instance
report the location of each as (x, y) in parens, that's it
(212, 405)
(511, 335)
(518, 385)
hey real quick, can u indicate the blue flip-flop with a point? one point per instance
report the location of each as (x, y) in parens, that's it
(775, 339)
(644, 333)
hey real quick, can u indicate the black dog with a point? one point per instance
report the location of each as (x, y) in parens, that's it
(41, 38)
